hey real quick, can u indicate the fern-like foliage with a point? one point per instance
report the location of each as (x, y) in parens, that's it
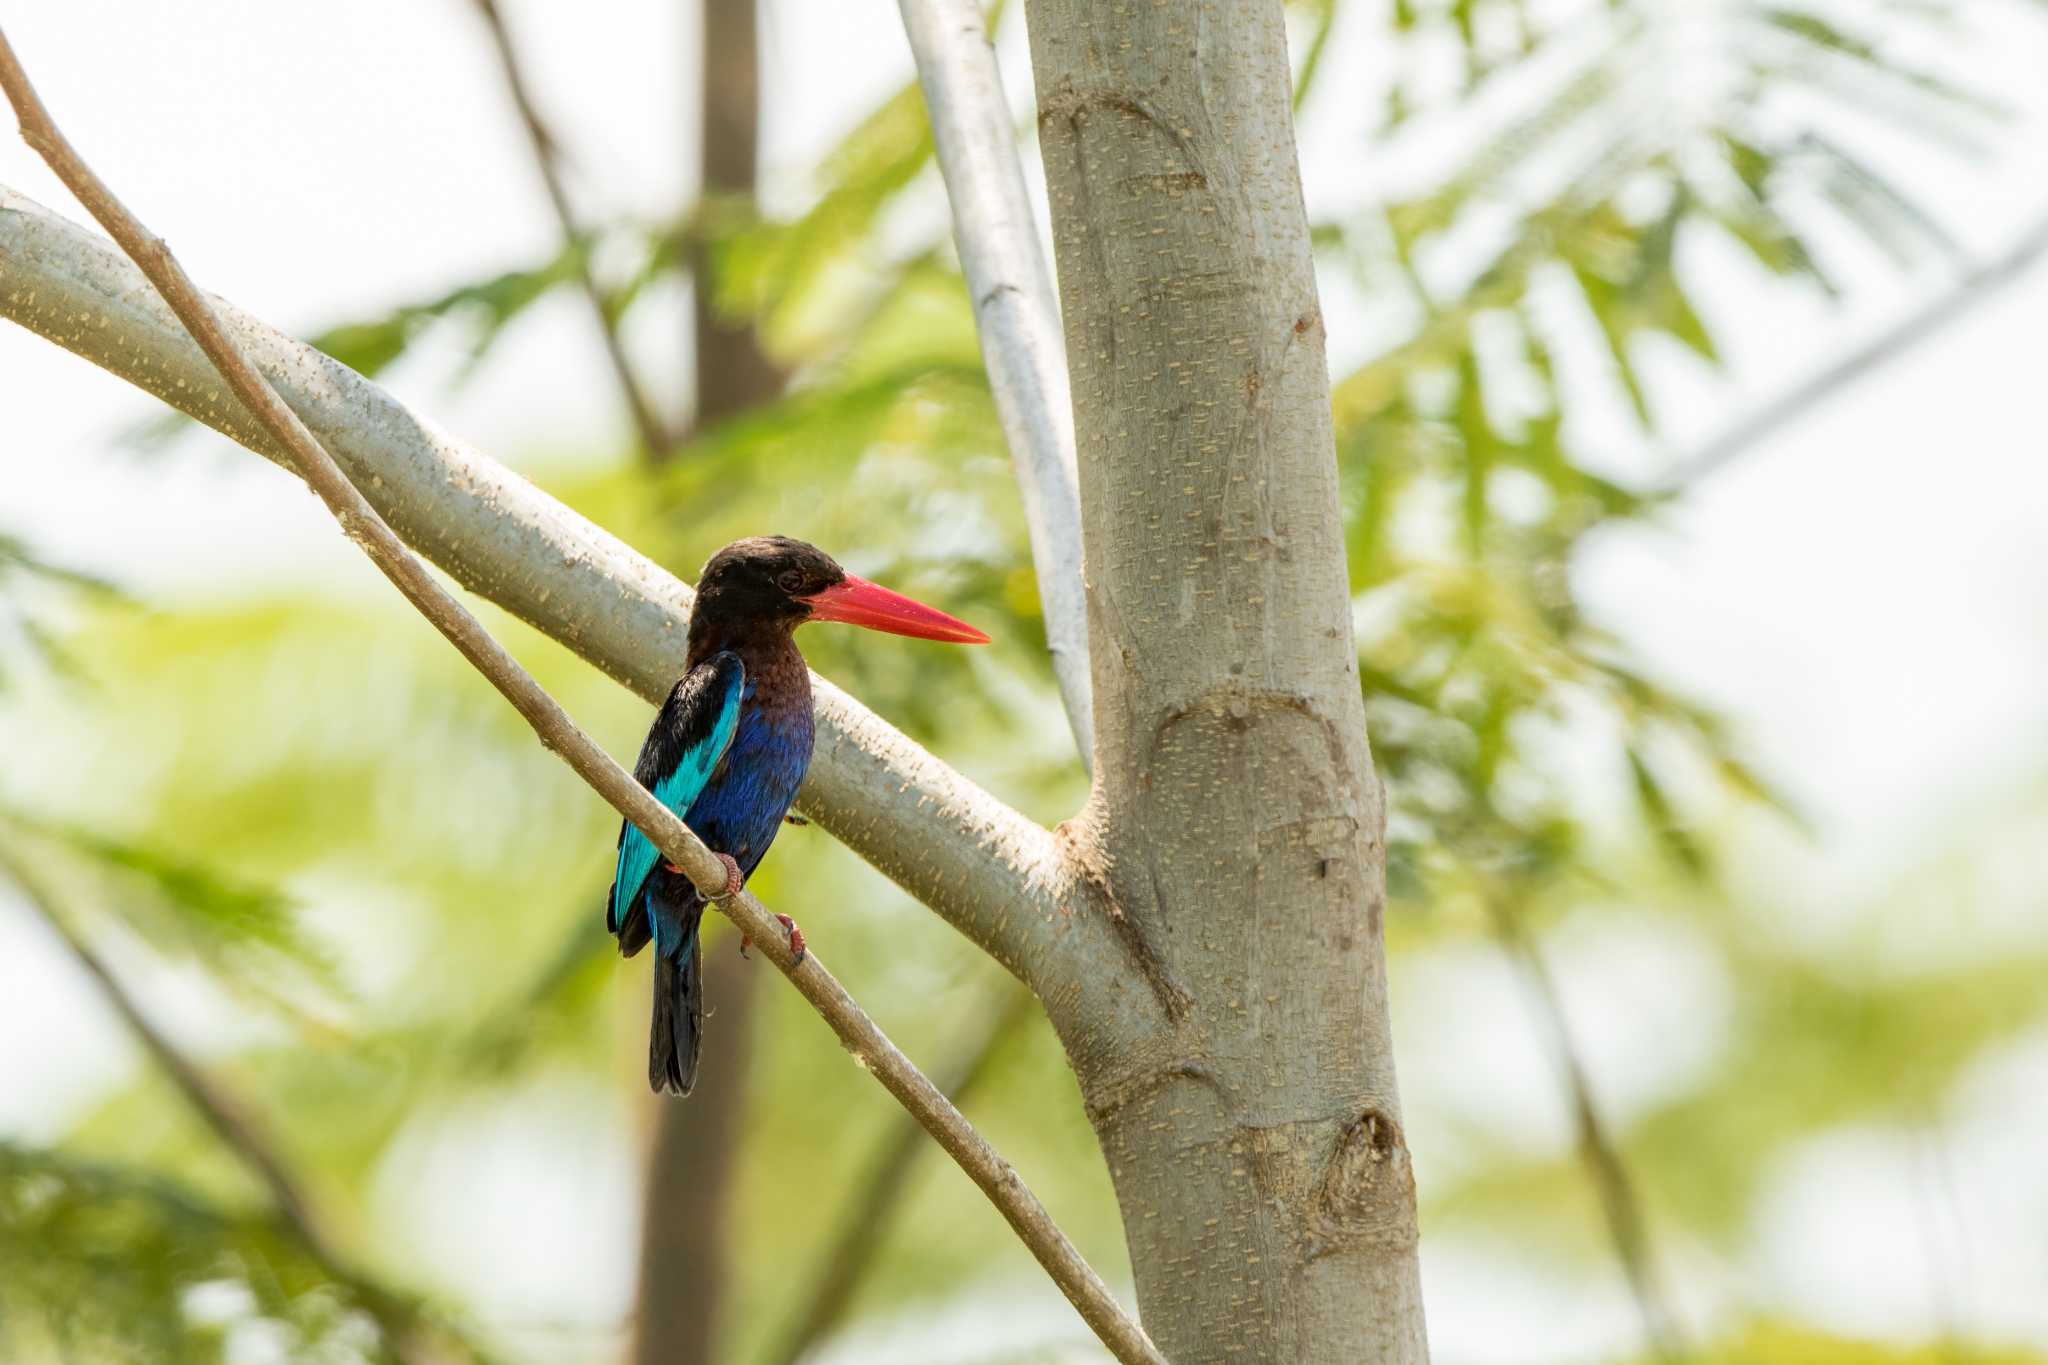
(101, 1262)
(1536, 281)
(35, 593)
(244, 934)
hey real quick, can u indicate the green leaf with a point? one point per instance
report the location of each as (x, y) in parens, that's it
(484, 309)
(1886, 215)
(796, 278)
(1322, 16)
(33, 589)
(1663, 820)
(247, 934)
(18, 557)
(1861, 55)
(1608, 307)
(1481, 451)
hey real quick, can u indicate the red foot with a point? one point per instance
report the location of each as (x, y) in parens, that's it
(733, 880)
(797, 947)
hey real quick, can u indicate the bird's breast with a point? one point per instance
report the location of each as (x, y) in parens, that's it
(740, 810)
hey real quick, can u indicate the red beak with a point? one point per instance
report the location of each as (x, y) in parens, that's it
(861, 603)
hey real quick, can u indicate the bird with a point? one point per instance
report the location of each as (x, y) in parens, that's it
(727, 752)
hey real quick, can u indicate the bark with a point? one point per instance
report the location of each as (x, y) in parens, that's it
(1236, 825)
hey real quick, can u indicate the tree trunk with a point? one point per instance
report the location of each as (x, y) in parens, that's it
(685, 1284)
(685, 1279)
(1205, 935)
(732, 374)
(1236, 825)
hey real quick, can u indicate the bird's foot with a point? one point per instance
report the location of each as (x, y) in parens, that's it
(797, 947)
(797, 950)
(794, 819)
(734, 881)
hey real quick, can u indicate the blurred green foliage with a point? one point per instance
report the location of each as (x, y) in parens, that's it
(1771, 1343)
(35, 593)
(322, 810)
(114, 1263)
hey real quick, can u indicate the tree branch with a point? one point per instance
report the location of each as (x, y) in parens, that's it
(1972, 289)
(1014, 311)
(868, 1214)
(654, 436)
(996, 876)
(557, 732)
(399, 1320)
(1619, 1203)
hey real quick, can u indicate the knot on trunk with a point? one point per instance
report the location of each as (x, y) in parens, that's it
(1367, 1193)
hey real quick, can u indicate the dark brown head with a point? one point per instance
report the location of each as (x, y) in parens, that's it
(774, 582)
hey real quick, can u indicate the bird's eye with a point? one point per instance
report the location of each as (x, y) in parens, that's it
(789, 580)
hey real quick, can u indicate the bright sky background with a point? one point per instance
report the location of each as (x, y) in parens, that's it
(1864, 592)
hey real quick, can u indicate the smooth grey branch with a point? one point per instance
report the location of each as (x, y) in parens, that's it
(1017, 317)
(996, 876)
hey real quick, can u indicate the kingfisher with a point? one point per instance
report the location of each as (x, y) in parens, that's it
(728, 751)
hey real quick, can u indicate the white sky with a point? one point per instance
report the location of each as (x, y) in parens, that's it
(1864, 593)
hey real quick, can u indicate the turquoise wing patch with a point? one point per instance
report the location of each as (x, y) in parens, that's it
(690, 736)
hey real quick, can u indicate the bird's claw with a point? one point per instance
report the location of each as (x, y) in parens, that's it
(797, 947)
(794, 819)
(797, 950)
(734, 881)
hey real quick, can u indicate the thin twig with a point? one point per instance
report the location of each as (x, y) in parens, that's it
(1019, 323)
(1975, 287)
(557, 732)
(398, 1320)
(654, 435)
(871, 1210)
(1619, 1203)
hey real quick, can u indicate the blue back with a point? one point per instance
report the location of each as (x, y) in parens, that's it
(690, 737)
(728, 760)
